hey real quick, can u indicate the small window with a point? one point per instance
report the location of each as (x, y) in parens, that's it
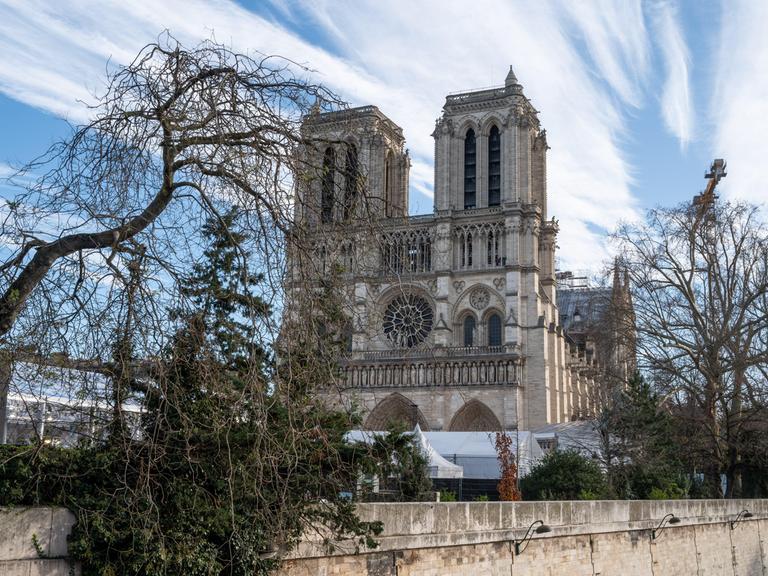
(494, 330)
(469, 331)
(465, 250)
(348, 336)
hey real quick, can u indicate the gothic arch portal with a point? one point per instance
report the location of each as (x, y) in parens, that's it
(474, 416)
(395, 408)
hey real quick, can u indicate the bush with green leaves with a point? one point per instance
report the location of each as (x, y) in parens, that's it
(564, 475)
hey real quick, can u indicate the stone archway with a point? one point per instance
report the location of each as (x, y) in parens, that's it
(395, 408)
(474, 416)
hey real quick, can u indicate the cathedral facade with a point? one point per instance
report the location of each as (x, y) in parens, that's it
(453, 316)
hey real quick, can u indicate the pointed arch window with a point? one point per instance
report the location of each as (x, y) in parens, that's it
(470, 169)
(348, 336)
(329, 172)
(494, 330)
(494, 167)
(465, 250)
(492, 249)
(469, 330)
(389, 184)
(351, 178)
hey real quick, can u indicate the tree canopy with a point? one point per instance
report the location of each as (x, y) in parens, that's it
(700, 294)
(150, 248)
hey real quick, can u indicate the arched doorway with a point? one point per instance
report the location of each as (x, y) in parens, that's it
(395, 408)
(474, 416)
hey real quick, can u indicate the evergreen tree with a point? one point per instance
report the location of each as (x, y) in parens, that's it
(642, 444)
(400, 464)
(232, 461)
(222, 291)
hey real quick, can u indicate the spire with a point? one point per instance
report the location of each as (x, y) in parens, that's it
(617, 291)
(511, 79)
(511, 85)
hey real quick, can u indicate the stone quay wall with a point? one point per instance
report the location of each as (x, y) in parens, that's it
(606, 538)
(33, 542)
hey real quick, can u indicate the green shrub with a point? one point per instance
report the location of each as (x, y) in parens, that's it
(671, 492)
(564, 475)
(447, 496)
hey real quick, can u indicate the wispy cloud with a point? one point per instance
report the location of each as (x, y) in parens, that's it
(739, 108)
(581, 63)
(589, 178)
(6, 171)
(676, 101)
(616, 38)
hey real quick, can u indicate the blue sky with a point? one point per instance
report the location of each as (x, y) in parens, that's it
(637, 97)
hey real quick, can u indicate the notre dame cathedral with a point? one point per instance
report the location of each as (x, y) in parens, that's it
(455, 318)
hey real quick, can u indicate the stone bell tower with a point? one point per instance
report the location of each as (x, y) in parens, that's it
(356, 166)
(454, 314)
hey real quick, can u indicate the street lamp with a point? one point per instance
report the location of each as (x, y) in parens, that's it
(668, 519)
(744, 514)
(521, 545)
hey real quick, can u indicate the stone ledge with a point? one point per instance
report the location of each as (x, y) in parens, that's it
(434, 525)
(39, 567)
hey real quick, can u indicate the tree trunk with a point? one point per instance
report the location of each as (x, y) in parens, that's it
(6, 370)
(712, 483)
(735, 437)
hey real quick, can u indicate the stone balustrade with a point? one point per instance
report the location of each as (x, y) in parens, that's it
(431, 371)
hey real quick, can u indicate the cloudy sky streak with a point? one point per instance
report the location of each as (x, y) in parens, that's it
(594, 69)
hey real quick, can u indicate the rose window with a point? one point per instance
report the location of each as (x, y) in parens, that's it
(408, 321)
(479, 298)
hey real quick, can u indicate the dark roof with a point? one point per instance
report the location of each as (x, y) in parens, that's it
(591, 303)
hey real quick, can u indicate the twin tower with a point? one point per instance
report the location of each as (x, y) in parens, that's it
(453, 316)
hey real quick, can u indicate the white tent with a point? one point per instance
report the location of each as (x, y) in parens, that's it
(580, 435)
(438, 466)
(474, 452)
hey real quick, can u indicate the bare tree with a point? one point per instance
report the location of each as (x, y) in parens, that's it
(180, 135)
(105, 234)
(699, 280)
(177, 133)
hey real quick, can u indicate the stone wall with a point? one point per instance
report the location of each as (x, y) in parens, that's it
(606, 538)
(587, 538)
(33, 542)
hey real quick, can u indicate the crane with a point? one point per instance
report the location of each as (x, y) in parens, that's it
(707, 198)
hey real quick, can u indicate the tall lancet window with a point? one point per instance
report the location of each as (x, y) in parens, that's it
(326, 197)
(351, 177)
(469, 331)
(470, 169)
(494, 330)
(389, 185)
(494, 167)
